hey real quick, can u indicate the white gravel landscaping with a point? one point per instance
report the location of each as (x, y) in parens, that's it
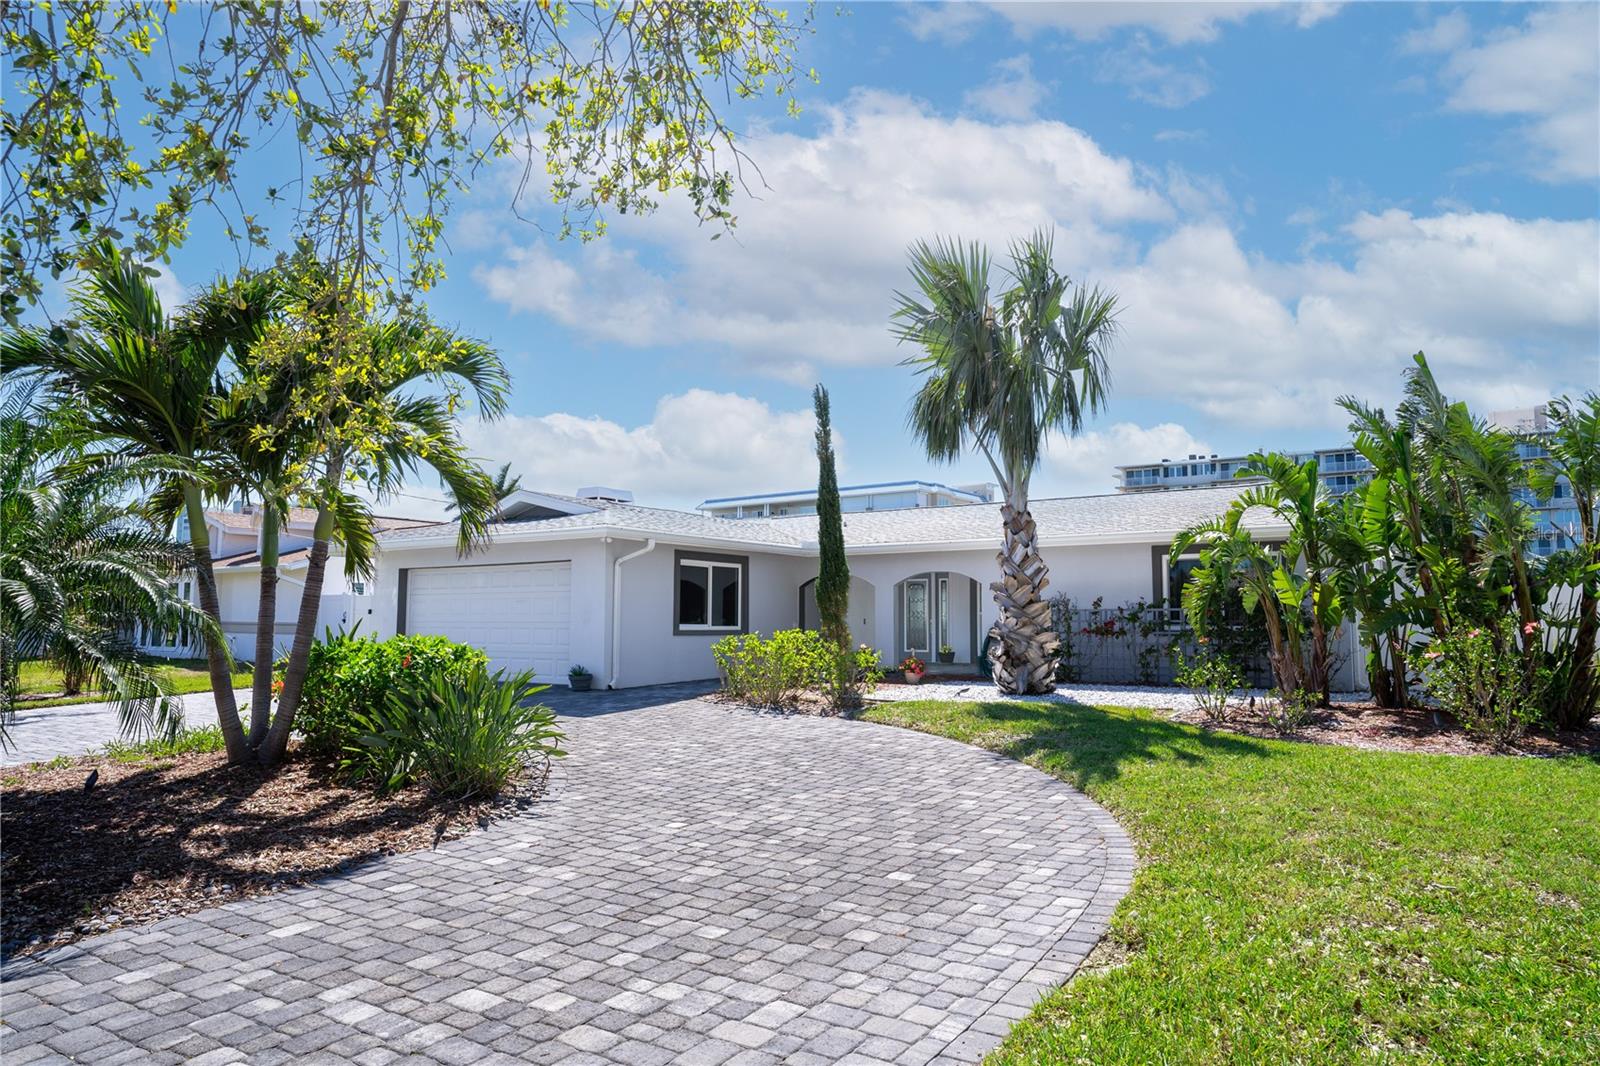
(1156, 697)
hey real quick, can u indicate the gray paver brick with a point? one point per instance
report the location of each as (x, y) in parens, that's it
(701, 884)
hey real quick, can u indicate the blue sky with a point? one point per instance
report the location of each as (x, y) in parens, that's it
(1289, 199)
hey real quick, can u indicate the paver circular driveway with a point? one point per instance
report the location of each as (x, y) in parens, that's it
(702, 884)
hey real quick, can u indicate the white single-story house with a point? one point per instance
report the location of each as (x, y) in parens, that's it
(235, 535)
(637, 595)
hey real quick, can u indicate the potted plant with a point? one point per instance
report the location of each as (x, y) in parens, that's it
(947, 654)
(913, 668)
(580, 679)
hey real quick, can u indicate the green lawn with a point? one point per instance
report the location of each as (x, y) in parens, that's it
(1305, 903)
(182, 675)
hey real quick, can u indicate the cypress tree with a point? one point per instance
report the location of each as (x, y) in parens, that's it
(833, 577)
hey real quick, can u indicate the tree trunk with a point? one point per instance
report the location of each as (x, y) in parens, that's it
(305, 633)
(219, 663)
(1576, 705)
(1023, 652)
(1380, 679)
(266, 626)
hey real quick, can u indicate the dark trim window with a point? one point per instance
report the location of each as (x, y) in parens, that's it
(709, 593)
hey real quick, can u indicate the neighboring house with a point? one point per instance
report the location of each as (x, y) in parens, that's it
(884, 496)
(235, 534)
(1342, 469)
(639, 594)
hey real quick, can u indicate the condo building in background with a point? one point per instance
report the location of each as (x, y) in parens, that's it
(1343, 468)
(884, 496)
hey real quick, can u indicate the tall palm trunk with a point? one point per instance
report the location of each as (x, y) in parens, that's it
(219, 663)
(1023, 654)
(1577, 705)
(1282, 653)
(266, 627)
(305, 632)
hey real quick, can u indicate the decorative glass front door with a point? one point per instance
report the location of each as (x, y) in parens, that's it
(917, 619)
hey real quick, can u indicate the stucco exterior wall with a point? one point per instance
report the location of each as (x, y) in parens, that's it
(591, 576)
(650, 653)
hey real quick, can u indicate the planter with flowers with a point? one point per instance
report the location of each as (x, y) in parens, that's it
(913, 668)
(947, 654)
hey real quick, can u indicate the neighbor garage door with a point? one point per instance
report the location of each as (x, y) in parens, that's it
(521, 616)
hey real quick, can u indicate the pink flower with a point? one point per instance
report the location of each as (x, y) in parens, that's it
(1529, 628)
(1431, 654)
(1474, 633)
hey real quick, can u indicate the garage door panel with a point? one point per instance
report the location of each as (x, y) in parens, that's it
(520, 616)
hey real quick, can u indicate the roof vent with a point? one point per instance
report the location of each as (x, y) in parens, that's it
(604, 494)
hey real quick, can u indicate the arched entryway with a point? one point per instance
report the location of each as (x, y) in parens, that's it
(937, 610)
(863, 614)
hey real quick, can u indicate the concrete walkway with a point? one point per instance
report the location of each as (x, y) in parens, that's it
(42, 733)
(702, 884)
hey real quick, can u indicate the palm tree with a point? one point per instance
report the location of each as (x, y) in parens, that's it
(81, 568)
(379, 433)
(504, 482)
(1574, 459)
(1293, 493)
(151, 383)
(1001, 373)
(1233, 563)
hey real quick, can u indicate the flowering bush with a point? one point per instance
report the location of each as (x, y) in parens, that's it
(1480, 676)
(349, 675)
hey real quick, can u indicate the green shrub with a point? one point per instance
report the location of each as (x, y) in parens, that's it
(774, 671)
(1212, 679)
(846, 674)
(771, 672)
(1479, 676)
(349, 675)
(1288, 712)
(461, 736)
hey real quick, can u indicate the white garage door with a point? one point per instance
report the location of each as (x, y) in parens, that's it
(521, 616)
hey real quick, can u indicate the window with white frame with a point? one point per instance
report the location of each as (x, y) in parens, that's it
(710, 594)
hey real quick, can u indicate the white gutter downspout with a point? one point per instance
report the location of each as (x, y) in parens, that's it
(616, 606)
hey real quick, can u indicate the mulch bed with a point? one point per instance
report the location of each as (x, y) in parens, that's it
(1374, 728)
(174, 835)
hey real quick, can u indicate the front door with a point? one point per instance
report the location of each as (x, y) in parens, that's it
(919, 623)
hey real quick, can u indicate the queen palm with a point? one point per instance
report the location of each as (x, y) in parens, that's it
(375, 428)
(150, 382)
(1001, 372)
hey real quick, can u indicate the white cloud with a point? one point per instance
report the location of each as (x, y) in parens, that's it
(1492, 299)
(809, 275)
(1444, 34)
(1162, 136)
(1177, 23)
(172, 293)
(681, 456)
(1547, 72)
(1013, 93)
(951, 23)
(1085, 464)
(1150, 80)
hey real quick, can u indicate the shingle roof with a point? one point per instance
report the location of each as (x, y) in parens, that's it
(305, 516)
(1151, 516)
(1139, 517)
(243, 559)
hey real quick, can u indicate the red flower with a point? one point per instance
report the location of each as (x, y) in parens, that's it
(405, 664)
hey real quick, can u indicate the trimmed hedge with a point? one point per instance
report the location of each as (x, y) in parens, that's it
(350, 677)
